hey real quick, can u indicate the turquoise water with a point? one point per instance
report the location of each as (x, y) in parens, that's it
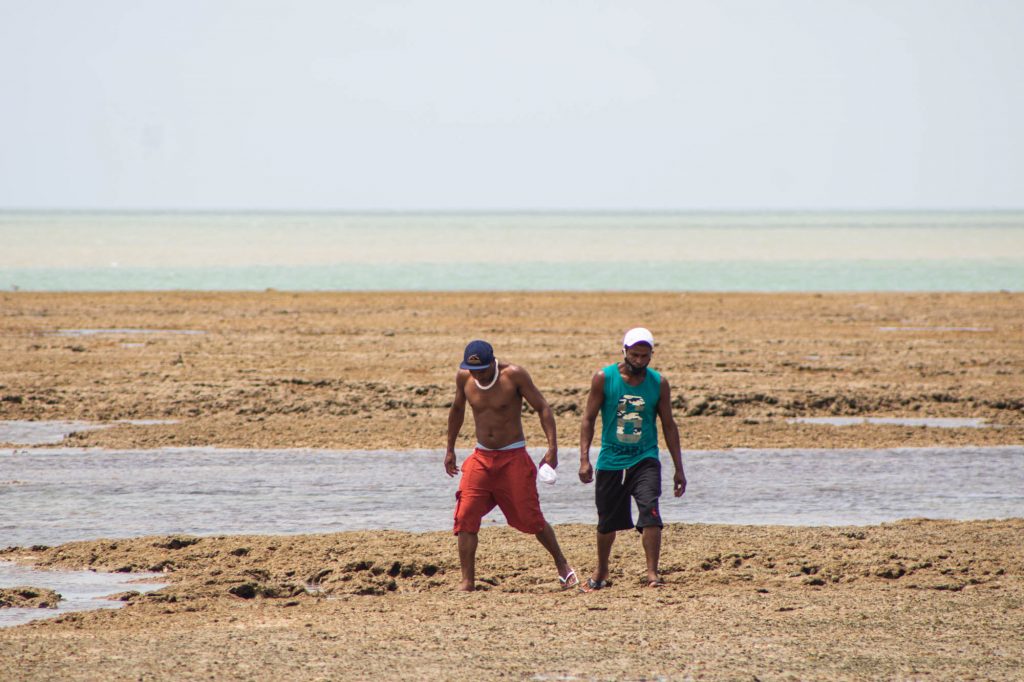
(720, 276)
(581, 252)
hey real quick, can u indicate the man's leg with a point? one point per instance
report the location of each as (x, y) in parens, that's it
(646, 489)
(467, 560)
(473, 501)
(550, 542)
(652, 550)
(516, 495)
(613, 514)
(604, 552)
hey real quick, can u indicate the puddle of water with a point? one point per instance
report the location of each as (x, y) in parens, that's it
(937, 422)
(935, 329)
(81, 590)
(66, 494)
(42, 433)
(50, 432)
(94, 332)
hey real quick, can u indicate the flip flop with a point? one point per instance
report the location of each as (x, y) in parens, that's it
(594, 585)
(570, 580)
(656, 583)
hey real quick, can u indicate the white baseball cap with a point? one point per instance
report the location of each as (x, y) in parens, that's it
(638, 335)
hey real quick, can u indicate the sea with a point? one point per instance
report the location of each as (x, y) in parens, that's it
(769, 252)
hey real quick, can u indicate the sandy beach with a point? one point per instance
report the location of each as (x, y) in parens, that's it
(916, 599)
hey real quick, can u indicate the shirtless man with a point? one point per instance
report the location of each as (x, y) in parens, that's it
(499, 471)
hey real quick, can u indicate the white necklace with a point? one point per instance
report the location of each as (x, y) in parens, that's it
(493, 381)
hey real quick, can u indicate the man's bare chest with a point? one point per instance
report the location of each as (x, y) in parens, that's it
(497, 399)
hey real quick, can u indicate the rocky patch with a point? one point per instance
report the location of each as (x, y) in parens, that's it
(28, 598)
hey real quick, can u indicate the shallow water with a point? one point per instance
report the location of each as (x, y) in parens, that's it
(81, 590)
(899, 251)
(936, 422)
(42, 433)
(128, 331)
(55, 495)
(979, 330)
(49, 432)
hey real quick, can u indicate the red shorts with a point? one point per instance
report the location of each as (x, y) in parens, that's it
(506, 478)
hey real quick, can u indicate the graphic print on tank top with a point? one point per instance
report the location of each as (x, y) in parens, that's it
(629, 424)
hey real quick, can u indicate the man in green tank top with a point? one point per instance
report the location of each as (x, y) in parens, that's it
(630, 397)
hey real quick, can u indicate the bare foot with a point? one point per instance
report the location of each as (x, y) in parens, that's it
(594, 585)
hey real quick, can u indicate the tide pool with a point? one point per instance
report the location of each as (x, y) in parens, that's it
(55, 495)
(79, 590)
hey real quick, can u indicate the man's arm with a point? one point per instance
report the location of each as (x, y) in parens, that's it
(594, 400)
(456, 415)
(532, 395)
(671, 431)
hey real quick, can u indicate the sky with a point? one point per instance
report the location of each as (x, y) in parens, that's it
(444, 105)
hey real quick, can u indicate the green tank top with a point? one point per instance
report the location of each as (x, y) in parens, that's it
(629, 427)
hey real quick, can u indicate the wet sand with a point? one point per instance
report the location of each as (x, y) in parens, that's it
(911, 600)
(374, 371)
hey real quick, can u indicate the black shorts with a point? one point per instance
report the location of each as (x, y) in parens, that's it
(613, 490)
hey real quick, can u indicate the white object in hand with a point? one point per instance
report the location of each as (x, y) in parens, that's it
(546, 474)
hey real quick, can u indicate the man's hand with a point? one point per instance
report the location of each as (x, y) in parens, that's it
(449, 463)
(551, 457)
(586, 472)
(679, 483)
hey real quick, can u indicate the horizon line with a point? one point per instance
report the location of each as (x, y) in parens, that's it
(510, 211)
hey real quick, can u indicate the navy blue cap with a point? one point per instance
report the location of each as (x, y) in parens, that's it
(478, 355)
